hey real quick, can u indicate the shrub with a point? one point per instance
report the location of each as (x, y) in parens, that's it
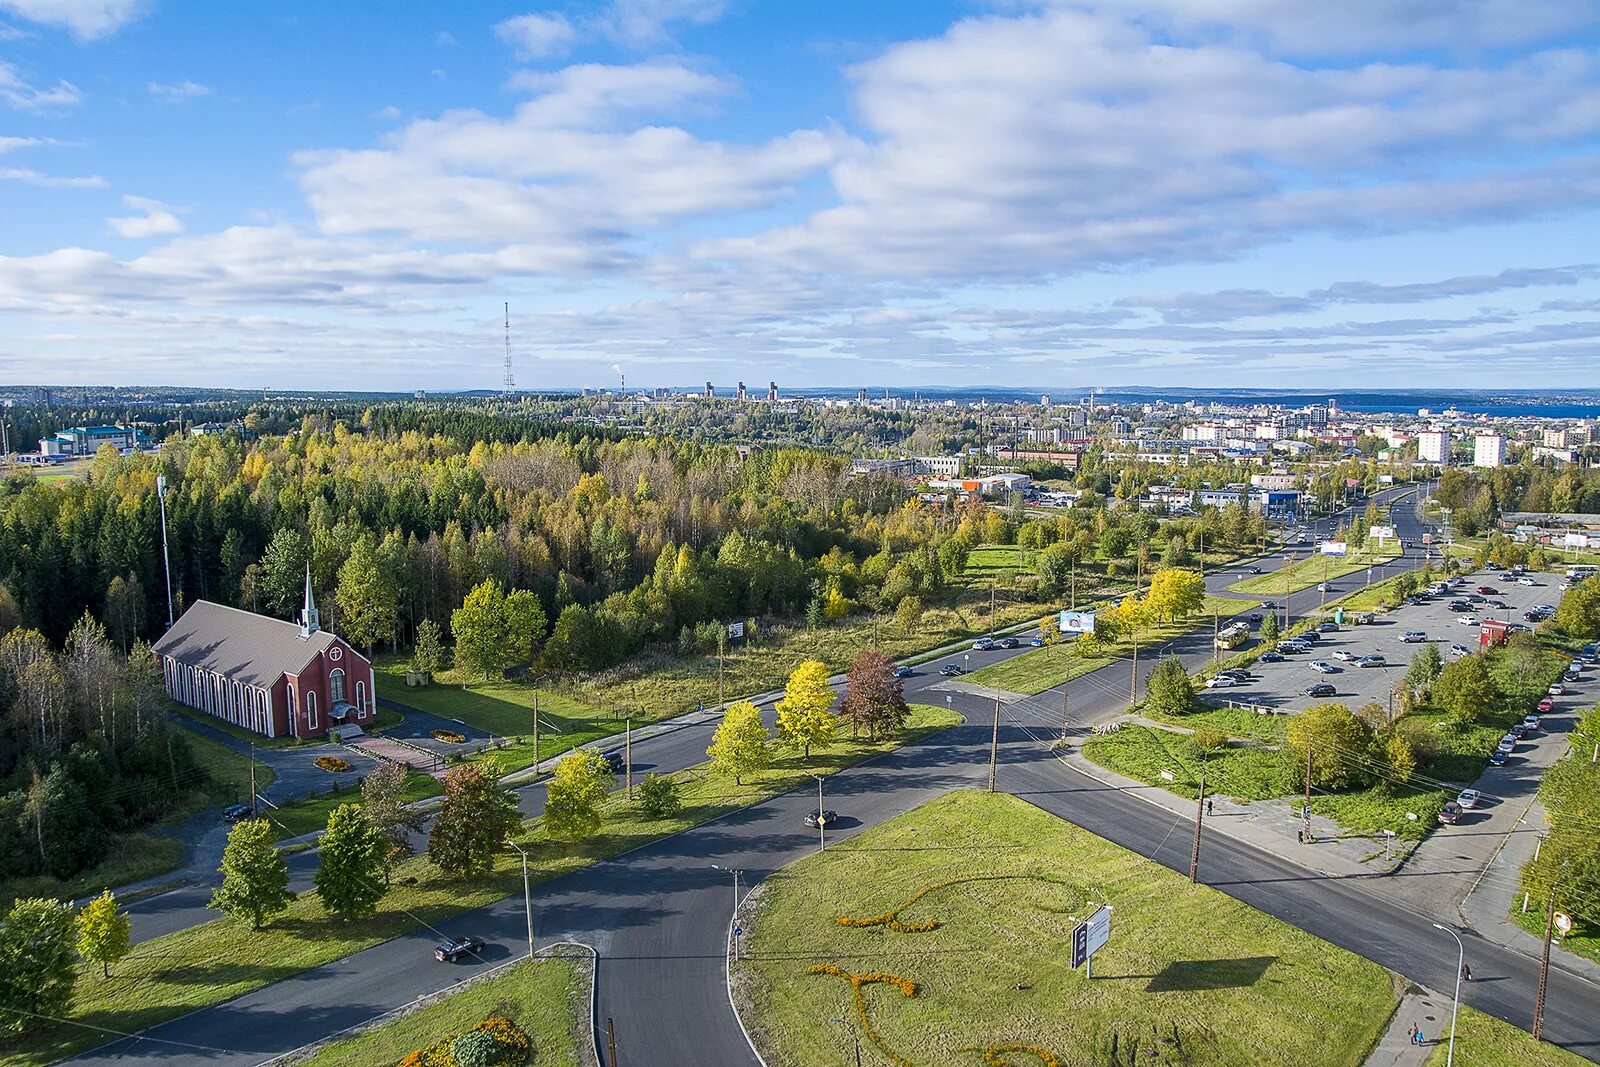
(659, 797)
(476, 1048)
(1208, 739)
(332, 763)
(494, 1042)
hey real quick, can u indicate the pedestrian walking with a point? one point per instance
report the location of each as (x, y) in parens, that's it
(1466, 972)
(1208, 807)
(1413, 1034)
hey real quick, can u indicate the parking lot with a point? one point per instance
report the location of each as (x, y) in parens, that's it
(1282, 685)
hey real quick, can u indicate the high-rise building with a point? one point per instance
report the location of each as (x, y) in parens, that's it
(1489, 450)
(1433, 446)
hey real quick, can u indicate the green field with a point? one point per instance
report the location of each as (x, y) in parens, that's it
(1305, 573)
(1190, 976)
(311, 815)
(1484, 1041)
(1043, 668)
(216, 961)
(1244, 772)
(995, 561)
(546, 999)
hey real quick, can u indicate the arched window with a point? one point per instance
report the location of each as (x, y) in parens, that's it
(361, 700)
(336, 686)
(311, 710)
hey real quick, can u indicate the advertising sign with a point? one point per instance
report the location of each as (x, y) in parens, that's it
(1335, 548)
(1382, 533)
(1077, 622)
(735, 630)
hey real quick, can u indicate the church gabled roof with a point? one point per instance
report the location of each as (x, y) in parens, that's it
(241, 645)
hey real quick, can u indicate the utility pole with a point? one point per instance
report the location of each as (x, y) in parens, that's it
(611, 1042)
(1305, 812)
(994, 744)
(822, 840)
(536, 735)
(1216, 632)
(1133, 678)
(991, 607)
(1288, 565)
(1544, 961)
(166, 560)
(1072, 582)
(1065, 712)
(722, 640)
(527, 895)
(627, 753)
(1199, 811)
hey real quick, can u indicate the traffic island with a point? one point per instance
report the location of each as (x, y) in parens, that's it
(945, 937)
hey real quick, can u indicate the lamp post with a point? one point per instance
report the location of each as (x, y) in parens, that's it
(822, 840)
(166, 561)
(1461, 962)
(733, 917)
(527, 895)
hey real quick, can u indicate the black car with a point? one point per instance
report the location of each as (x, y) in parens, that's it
(1271, 657)
(951, 670)
(236, 813)
(827, 817)
(1321, 689)
(613, 762)
(1255, 616)
(452, 949)
(1009, 642)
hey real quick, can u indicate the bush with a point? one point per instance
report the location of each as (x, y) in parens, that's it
(1207, 739)
(659, 796)
(476, 1048)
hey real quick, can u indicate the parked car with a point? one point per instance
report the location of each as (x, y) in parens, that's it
(951, 670)
(1413, 636)
(1310, 636)
(1373, 660)
(1509, 742)
(1557, 689)
(1450, 814)
(1292, 648)
(1344, 655)
(236, 813)
(983, 644)
(1320, 689)
(1222, 681)
(826, 817)
(1322, 666)
(1546, 706)
(1530, 723)
(1526, 581)
(453, 948)
(1487, 590)
(1460, 650)
(903, 671)
(1469, 798)
(1236, 672)
(1009, 642)
(1497, 758)
(1468, 620)
(1271, 657)
(1572, 677)
(1328, 628)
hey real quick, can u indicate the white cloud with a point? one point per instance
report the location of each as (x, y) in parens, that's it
(11, 144)
(155, 219)
(178, 92)
(50, 181)
(86, 19)
(536, 36)
(388, 113)
(17, 93)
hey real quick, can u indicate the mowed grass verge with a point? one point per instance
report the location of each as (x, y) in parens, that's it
(216, 961)
(1484, 1041)
(546, 998)
(1043, 668)
(1312, 570)
(1190, 975)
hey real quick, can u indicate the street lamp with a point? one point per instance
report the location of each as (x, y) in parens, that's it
(822, 840)
(1461, 962)
(527, 895)
(733, 918)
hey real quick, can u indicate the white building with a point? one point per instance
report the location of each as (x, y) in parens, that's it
(1433, 446)
(944, 466)
(1489, 450)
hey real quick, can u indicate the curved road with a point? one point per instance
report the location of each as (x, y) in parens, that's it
(659, 915)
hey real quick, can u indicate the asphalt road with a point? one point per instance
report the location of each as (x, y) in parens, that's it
(659, 915)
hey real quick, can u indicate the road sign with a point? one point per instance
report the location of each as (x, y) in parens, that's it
(1335, 548)
(738, 931)
(1099, 928)
(736, 630)
(1080, 945)
(1382, 532)
(1077, 622)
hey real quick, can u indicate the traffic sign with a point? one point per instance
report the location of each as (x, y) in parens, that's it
(738, 931)
(1080, 945)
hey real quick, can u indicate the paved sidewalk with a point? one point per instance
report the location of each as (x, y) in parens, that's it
(1421, 1009)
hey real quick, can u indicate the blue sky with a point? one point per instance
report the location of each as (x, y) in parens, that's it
(1379, 193)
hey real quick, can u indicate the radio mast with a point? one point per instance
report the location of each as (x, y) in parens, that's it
(508, 385)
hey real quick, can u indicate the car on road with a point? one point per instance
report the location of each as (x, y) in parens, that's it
(983, 644)
(1252, 570)
(1373, 660)
(1009, 642)
(1320, 689)
(903, 671)
(612, 761)
(1255, 617)
(825, 817)
(1222, 681)
(1497, 758)
(1469, 798)
(1546, 706)
(951, 670)
(1271, 657)
(1344, 655)
(1450, 814)
(236, 813)
(1468, 620)
(1411, 637)
(453, 948)
(1036, 642)
(1269, 604)
(1323, 587)
(1530, 723)
(1322, 666)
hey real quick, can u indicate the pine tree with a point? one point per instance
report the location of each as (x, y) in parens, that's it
(103, 932)
(367, 601)
(474, 823)
(803, 716)
(573, 798)
(739, 747)
(255, 879)
(350, 879)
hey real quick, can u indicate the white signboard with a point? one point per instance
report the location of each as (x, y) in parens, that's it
(736, 630)
(1382, 533)
(1575, 540)
(1335, 548)
(1077, 622)
(1099, 928)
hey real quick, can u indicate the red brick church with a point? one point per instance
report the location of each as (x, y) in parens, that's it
(275, 678)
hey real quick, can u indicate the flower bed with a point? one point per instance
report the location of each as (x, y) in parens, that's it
(449, 736)
(332, 763)
(495, 1042)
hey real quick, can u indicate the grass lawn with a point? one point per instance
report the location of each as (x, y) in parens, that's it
(546, 999)
(1368, 811)
(1244, 772)
(1305, 573)
(309, 816)
(1036, 671)
(996, 561)
(1235, 722)
(206, 964)
(1190, 975)
(1484, 1041)
(1379, 595)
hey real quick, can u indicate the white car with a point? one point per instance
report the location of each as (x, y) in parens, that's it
(1322, 666)
(1344, 655)
(1468, 620)
(1413, 636)
(1222, 681)
(1469, 798)
(1460, 650)
(1526, 581)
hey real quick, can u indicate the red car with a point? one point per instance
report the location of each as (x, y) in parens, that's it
(1547, 705)
(1487, 590)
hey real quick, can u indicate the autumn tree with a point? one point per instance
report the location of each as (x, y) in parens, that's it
(482, 632)
(1465, 689)
(384, 802)
(1339, 744)
(367, 599)
(739, 746)
(103, 932)
(874, 701)
(1174, 594)
(351, 879)
(573, 798)
(475, 821)
(255, 878)
(803, 716)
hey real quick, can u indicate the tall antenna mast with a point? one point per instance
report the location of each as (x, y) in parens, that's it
(509, 384)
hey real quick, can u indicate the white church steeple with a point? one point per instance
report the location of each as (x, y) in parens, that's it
(308, 614)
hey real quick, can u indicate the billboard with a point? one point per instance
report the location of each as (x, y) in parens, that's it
(1077, 622)
(1335, 548)
(1091, 935)
(1382, 533)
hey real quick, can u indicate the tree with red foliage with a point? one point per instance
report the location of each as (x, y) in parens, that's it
(875, 701)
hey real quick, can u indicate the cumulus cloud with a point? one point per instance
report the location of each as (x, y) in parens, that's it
(86, 19)
(536, 36)
(637, 24)
(17, 93)
(177, 92)
(155, 219)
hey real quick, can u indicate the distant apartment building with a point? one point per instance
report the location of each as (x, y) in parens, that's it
(1046, 435)
(887, 468)
(943, 466)
(1120, 426)
(1221, 498)
(86, 440)
(1202, 431)
(1489, 450)
(1276, 481)
(1433, 446)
